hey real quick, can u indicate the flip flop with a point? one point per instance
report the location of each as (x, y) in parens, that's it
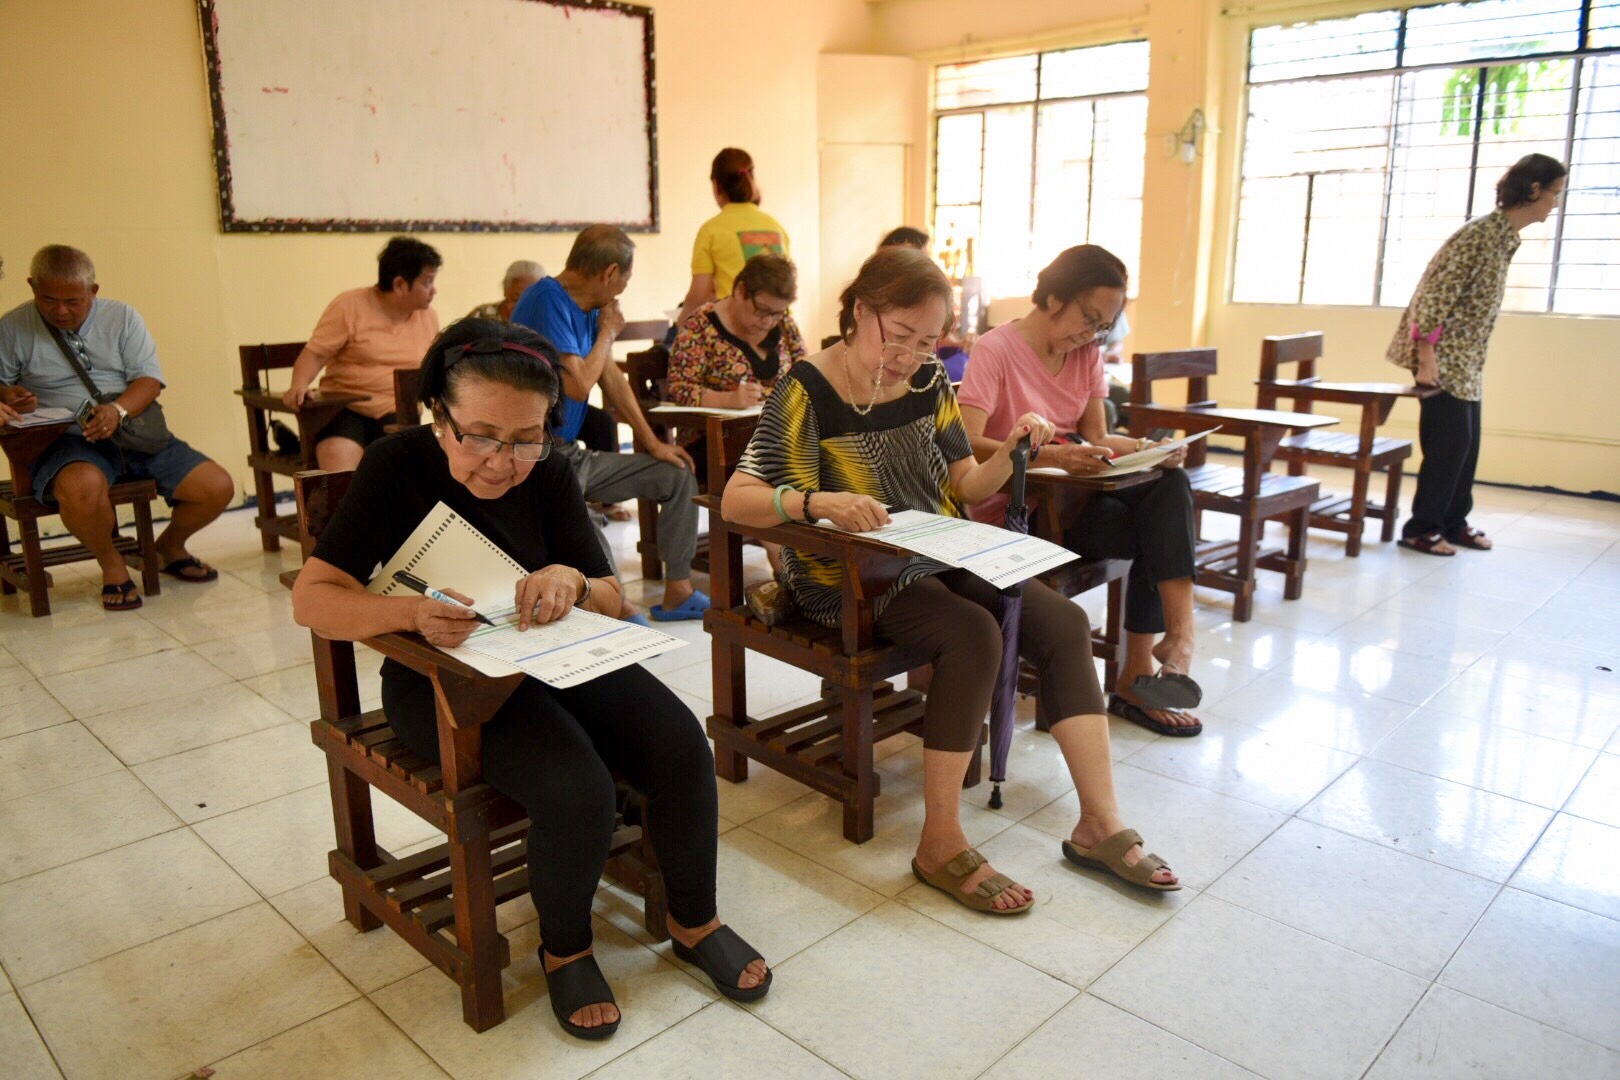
(1167, 690)
(120, 597)
(1110, 855)
(179, 568)
(692, 607)
(640, 620)
(1426, 544)
(573, 986)
(1470, 537)
(948, 880)
(723, 956)
(1128, 710)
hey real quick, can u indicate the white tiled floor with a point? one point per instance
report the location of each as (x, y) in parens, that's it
(1399, 835)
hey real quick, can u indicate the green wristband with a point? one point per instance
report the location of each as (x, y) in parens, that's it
(776, 501)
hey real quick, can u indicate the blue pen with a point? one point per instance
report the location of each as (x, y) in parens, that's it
(416, 584)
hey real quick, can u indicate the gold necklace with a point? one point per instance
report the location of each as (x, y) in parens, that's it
(877, 385)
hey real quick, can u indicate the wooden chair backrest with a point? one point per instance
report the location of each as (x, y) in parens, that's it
(1194, 365)
(644, 330)
(648, 372)
(407, 396)
(829, 341)
(318, 495)
(1302, 349)
(257, 359)
(727, 439)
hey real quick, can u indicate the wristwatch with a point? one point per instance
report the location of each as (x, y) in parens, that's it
(123, 413)
(585, 591)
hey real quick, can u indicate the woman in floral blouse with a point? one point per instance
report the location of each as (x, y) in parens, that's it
(729, 353)
(1442, 338)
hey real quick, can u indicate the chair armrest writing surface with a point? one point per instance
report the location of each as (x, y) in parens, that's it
(23, 446)
(264, 399)
(1378, 395)
(1260, 429)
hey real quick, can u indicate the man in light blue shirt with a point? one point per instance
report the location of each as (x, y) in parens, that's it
(110, 341)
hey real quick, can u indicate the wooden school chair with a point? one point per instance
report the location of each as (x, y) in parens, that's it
(26, 570)
(826, 745)
(264, 459)
(648, 372)
(1363, 452)
(407, 398)
(1248, 491)
(442, 900)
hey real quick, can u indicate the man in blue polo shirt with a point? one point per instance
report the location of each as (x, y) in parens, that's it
(578, 312)
(109, 340)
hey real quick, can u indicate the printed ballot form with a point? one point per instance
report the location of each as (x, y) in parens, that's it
(447, 552)
(1000, 556)
(1140, 461)
(657, 410)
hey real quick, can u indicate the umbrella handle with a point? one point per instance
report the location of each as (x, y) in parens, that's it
(1020, 462)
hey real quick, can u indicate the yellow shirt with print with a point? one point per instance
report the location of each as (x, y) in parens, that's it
(732, 237)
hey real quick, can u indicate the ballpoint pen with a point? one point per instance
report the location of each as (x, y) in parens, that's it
(416, 584)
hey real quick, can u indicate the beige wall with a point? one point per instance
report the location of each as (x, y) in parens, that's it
(1550, 400)
(112, 153)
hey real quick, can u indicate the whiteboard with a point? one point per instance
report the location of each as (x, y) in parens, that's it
(429, 115)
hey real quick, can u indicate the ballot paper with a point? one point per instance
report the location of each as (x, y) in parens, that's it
(46, 415)
(1140, 461)
(657, 409)
(1000, 556)
(447, 552)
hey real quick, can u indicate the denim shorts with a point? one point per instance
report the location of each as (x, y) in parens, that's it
(168, 467)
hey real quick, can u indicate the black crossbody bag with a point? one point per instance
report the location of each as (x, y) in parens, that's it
(144, 434)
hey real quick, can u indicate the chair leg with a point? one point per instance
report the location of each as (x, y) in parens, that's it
(1114, 632)
(652, 565)
(151, 575)
(1249, 534)
(1392, 502)
(975, 769)
(654, 900)
(477, 935)
(856, 706)
(1298, 522)
(356, 838)
(6, 587)
(264, 491)
(39, 598)
(730, 707)
(1358, 512)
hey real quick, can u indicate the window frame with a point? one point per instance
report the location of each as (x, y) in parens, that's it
(1399, 68)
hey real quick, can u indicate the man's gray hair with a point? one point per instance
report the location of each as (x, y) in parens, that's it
(599, 247)
(521, 269)
(58, 262)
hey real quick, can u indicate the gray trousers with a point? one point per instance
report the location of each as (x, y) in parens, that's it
(611, 478)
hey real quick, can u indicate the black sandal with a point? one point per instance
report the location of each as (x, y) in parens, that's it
(723, 956)
(1167, 690)
(572, 987)
(1426, 544)
(178, 568)
(1127, 710)
(121, 597)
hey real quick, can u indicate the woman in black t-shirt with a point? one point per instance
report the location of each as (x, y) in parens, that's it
(492, 390)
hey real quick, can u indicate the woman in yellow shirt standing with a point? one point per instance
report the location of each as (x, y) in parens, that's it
(736, 234)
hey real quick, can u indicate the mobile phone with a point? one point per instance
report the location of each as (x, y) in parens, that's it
(86, 413)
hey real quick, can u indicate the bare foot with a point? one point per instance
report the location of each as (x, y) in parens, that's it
(751, 976)
(1009, 899)
(1088, 834)
(593, 1015)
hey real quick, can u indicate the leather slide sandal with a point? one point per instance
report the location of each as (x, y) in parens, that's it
(1110, 855)
(948, 880)
(723, 956)
(1427, 543)
(1128, 710)
(1167, 689)
(1470, 537)
(573, 986)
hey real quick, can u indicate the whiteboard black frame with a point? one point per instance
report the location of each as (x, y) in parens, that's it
(229, 222)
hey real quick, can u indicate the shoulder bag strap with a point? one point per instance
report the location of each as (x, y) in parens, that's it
(73, 360)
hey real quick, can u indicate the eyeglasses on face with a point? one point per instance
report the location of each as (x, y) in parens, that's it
(768, 316)
(899, 350)
(484, 446)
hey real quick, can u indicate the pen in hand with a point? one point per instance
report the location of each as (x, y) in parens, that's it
(416, 584)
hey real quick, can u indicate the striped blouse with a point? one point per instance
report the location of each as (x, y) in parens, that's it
(899, 453)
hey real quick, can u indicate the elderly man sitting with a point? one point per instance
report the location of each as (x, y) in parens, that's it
(41, 344)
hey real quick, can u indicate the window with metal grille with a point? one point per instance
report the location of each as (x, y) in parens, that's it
(1373, 138)
(1034, 154)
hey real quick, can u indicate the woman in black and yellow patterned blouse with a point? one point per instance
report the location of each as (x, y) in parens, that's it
(872, 422)
(1442, 339)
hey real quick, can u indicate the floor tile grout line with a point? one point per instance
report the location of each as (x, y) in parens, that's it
(33, 1023)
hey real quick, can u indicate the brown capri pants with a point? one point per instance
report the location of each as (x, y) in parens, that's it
(951, 617)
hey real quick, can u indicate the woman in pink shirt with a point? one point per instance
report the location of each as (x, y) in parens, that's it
(1050, 363)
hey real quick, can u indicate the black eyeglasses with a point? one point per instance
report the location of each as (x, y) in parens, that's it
(484, 446)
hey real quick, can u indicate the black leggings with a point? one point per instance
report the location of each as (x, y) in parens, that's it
(1151, 525)
(550, 750)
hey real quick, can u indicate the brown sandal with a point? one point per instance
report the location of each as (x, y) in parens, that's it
(948, 880)
(1110, 855)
